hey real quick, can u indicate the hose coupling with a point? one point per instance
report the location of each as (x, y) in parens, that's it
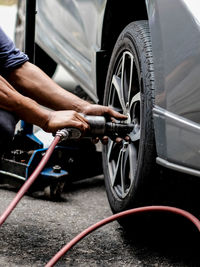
(68, 133)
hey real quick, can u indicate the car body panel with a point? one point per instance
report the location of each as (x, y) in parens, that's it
(175, 31)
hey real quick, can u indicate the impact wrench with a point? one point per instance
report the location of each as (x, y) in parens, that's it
(98, 127)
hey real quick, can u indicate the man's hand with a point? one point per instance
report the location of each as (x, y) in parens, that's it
(99, 110)
(63, 119)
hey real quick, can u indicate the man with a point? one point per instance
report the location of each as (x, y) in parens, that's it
(24, 88)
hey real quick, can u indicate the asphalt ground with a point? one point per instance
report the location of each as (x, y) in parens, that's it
(38, 228)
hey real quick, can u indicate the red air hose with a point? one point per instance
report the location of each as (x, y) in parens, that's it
(30, 181)
(117, 216)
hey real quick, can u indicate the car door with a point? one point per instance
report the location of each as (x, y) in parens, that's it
(69, 30)
(88, 14)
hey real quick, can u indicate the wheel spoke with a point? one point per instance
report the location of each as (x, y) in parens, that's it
(135, 134)
(127, 75)
(132, 161)
(122, 174)
(123, 167)
(124, 85)
(130, 77)
(110, 147)
(115, 170)
(136, 98)
(116, 81)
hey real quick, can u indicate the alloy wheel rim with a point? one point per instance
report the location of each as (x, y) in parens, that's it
(125, 96)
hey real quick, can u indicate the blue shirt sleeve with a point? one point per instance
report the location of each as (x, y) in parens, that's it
(10, 56)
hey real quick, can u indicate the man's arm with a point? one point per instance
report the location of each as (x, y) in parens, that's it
(28, 82)
(22, 106)
(34, 83)
(31, 81)
(29, 111)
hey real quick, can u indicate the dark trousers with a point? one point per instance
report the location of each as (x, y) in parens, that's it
(8, 122)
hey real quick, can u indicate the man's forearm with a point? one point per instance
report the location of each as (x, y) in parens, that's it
(34, 83)
(24, 107)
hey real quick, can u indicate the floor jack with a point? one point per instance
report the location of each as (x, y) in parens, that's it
(27, 150)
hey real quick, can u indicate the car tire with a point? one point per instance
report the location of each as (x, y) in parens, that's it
(42, 60)
(129, 168)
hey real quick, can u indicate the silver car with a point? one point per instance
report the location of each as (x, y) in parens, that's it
(143, 59)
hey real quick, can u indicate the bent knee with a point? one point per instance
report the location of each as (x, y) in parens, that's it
(7, 128)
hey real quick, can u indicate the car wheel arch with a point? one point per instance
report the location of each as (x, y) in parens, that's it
(109, 36)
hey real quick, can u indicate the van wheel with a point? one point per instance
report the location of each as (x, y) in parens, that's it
(129, 168)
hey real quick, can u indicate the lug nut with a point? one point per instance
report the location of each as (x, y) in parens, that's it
(56, 169)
